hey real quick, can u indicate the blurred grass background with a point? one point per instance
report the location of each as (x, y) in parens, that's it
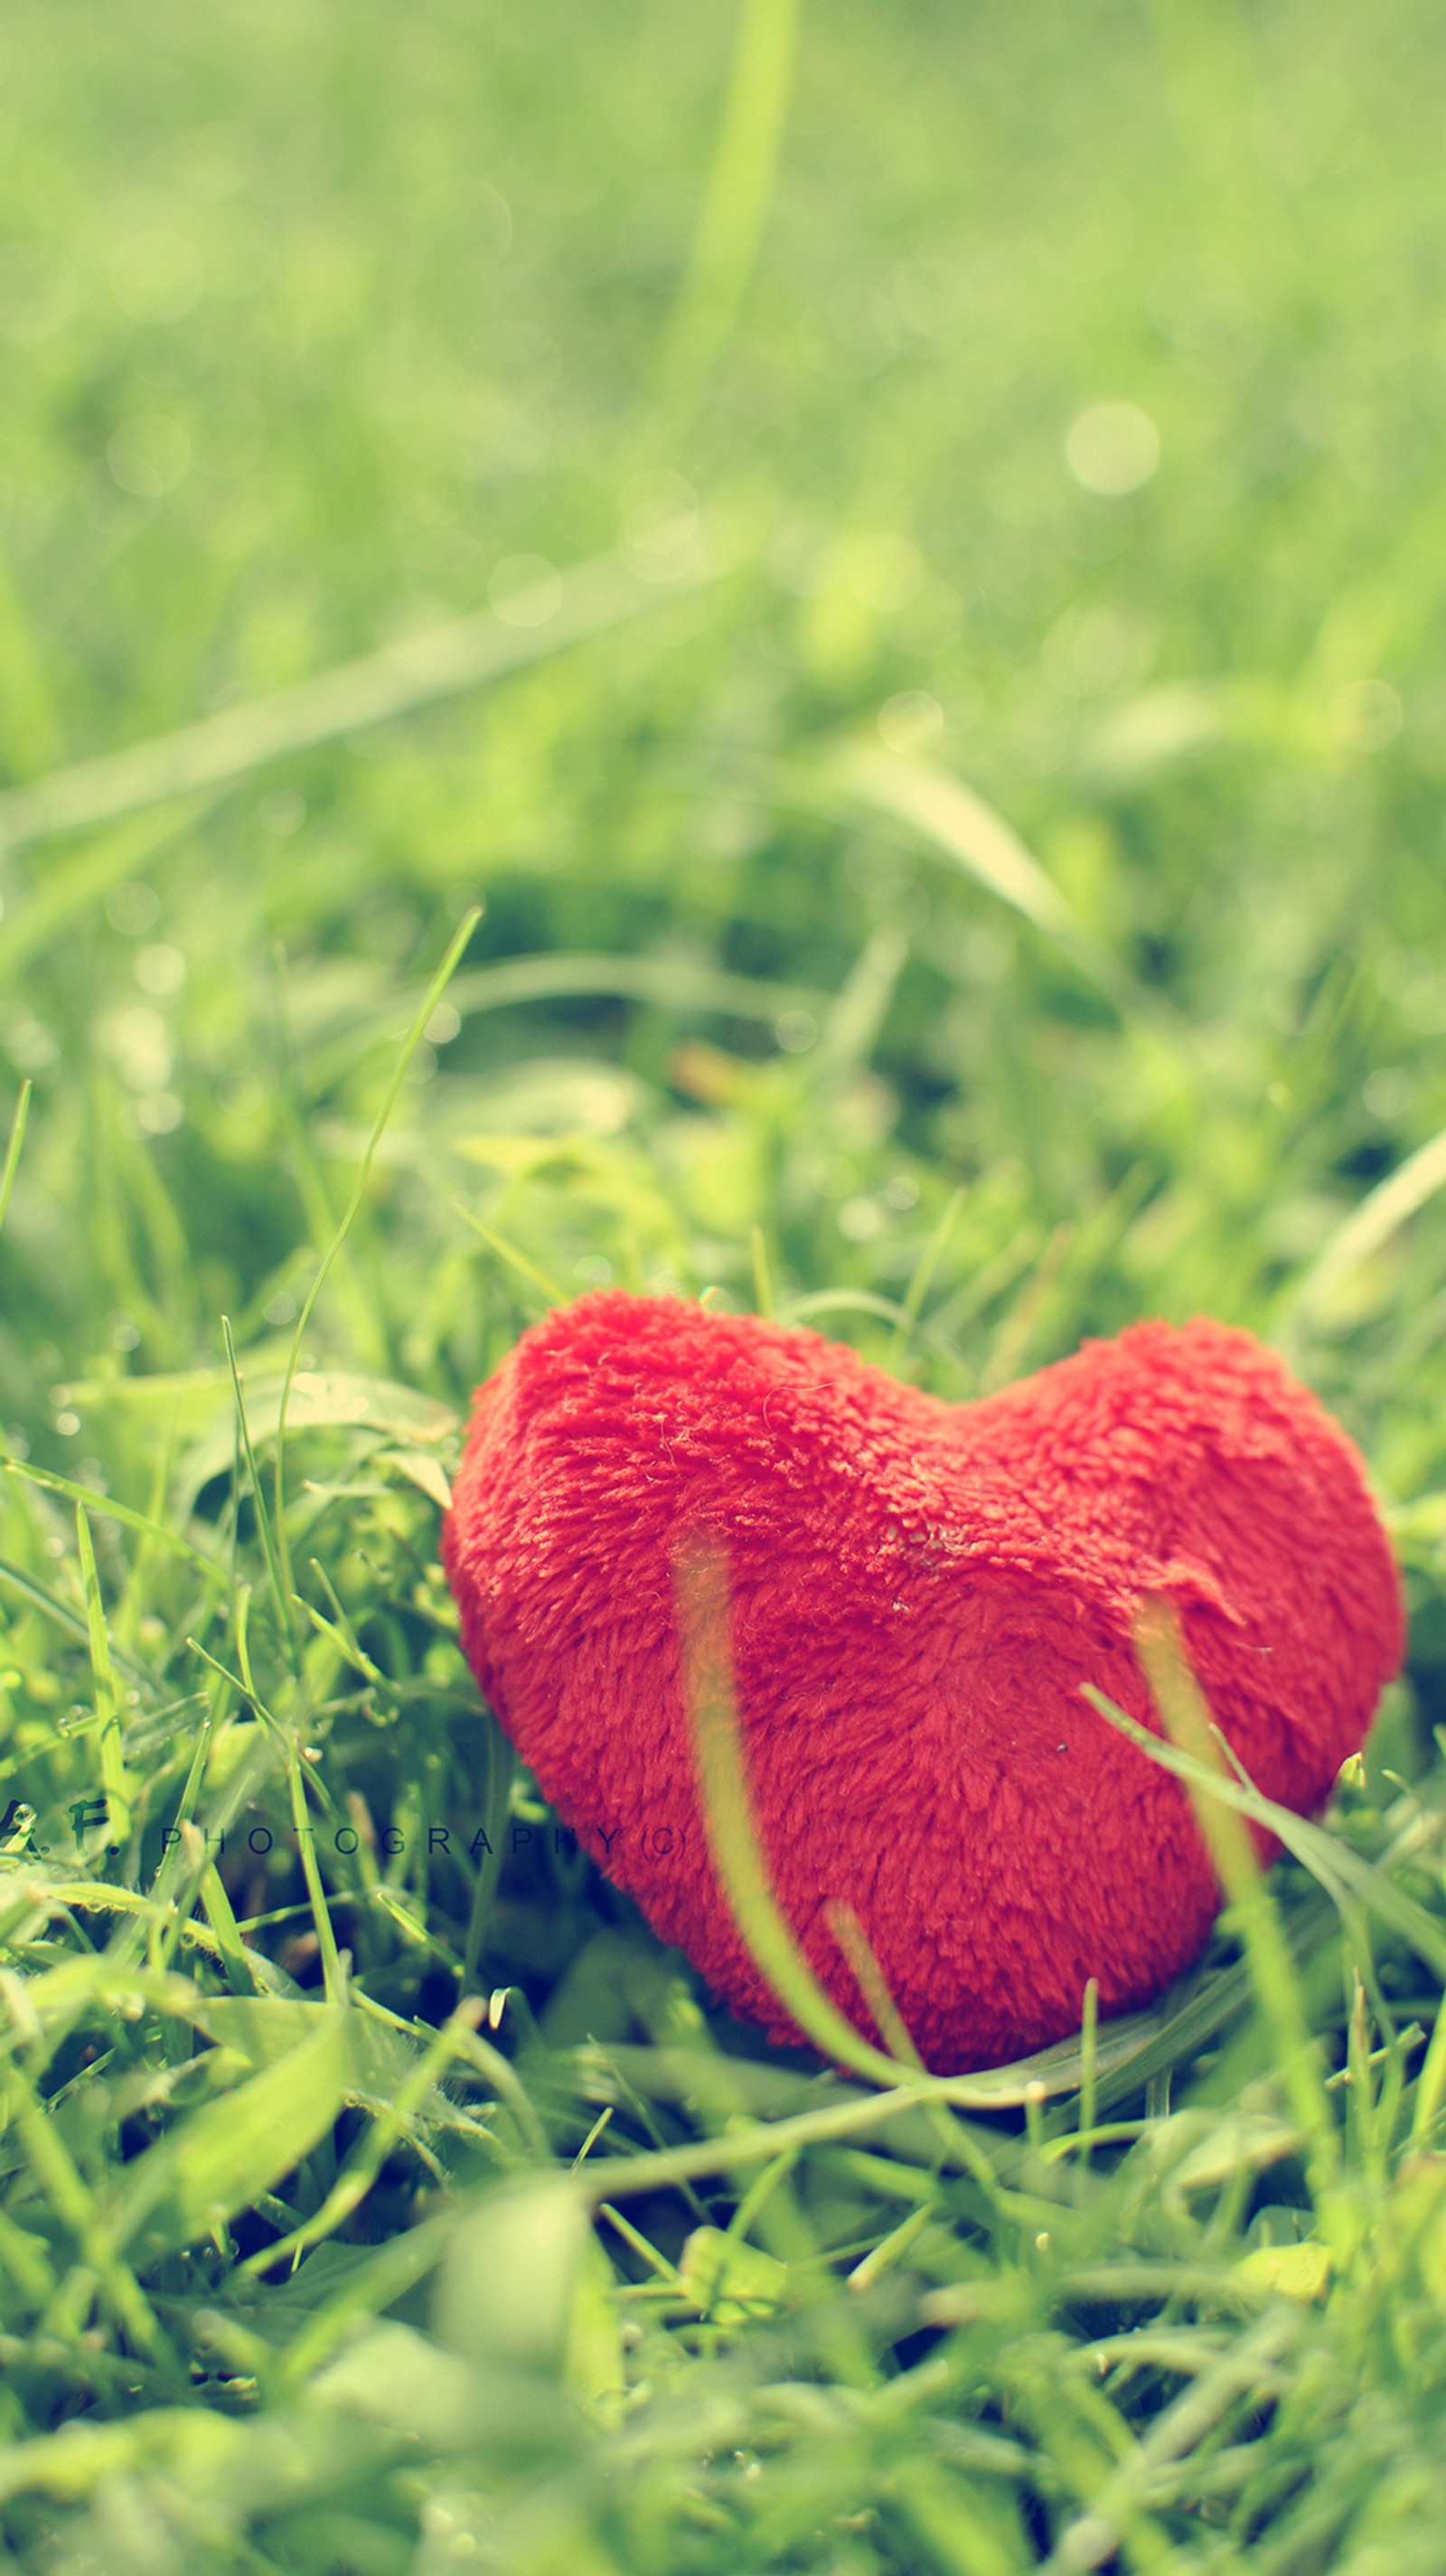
(947, 730)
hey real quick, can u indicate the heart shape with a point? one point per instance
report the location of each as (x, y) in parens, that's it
(918, 1591)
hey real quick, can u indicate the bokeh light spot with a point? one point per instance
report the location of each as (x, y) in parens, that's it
(1113, 448)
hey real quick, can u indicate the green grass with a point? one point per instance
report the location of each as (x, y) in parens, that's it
(623, 469)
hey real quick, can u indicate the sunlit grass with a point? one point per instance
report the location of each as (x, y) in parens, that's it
(894, 555)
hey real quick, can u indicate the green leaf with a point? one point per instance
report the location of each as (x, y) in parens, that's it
(592, 2361)
(420, 1469)
(1293, 2271)
(509, 2289)
(957, 825)
(1243, 2141)
(728, 2279)
(228, 2153)
(377, 2060)
(331, 1400)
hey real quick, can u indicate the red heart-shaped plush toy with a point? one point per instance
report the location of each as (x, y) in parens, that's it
(918, 1591)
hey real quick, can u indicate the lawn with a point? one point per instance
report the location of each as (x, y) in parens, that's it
(793, 656)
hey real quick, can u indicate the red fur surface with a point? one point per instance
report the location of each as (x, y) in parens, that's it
(919, 1589)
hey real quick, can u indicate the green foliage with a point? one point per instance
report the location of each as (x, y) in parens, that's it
(893, 552)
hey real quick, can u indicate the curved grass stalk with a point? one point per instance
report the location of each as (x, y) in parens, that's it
(1381, 1213)
(678, 983)
(701, 1592)
(1192, 1750)
(756, 2142)
(956, 824)
(396, 681)
(734, 210)
(90, 1896)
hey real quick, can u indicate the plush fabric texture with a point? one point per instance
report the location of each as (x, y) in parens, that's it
(918, 1591)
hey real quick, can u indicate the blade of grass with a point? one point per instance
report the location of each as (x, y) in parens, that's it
(1430, 2086)
(735, 206)
(62, 2184)
(701, 1594)
(673, 983)
(113, 1778)
(69, 894)
(500, 1760)
(760, 2191)
(396, 681)
(139, 1581)
(926, 1265)
(98, 1896)
(285, 1739)
(269, 1537)
(362, 1322)
(642, 2246)
(1113, 2515)
(856, 1015)
(18, 1126)
(382, 2277)
(956, 824)
(333, 1979)
(1089, 2052)
(1187, 1723)
(437, 987)
(749, 2143)
(497, 2070)
(1380, 1214)
(854, 1942)
(864, 1301)
(334, 1983)
(872, 1984)
(891, 2248)
(142, 1522)
(1018, 1326)
(40, 1598)
(236, 1958)
(339, 1627)
(762, 1280)
(1348, 1878)
(367, 2158)
(169, 1884)
(508, 1252)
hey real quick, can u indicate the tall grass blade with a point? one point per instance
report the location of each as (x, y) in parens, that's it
(40, 1597)
(396, 681)
(735, 206)
(926, 1265)
(107, 1695)
(701, 1595)
(270, 1545)
(16, 1145)
(64, 895)
(1381, 1213)
(64, 2186)
(1186, 1719)
(547, 1289)
(673, 983)
(160, 1533)
(956, 824)
(437, 987)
